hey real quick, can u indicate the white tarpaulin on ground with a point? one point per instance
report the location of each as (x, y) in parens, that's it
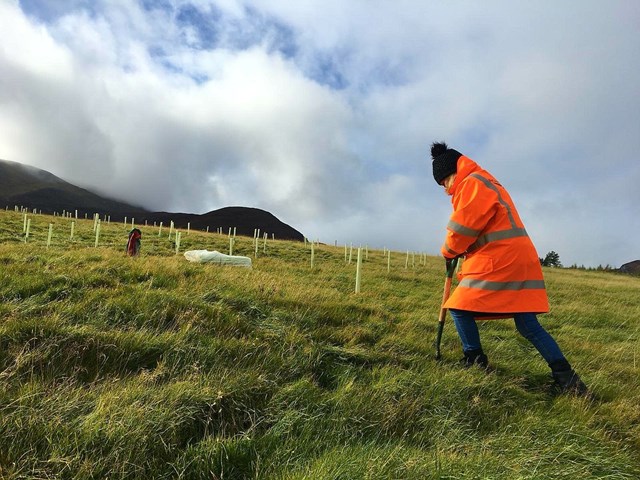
(205, 256)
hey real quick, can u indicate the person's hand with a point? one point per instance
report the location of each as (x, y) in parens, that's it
(448, 263)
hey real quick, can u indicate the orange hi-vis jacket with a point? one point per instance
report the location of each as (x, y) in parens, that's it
(501, 273)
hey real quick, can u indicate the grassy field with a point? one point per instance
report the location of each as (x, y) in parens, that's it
(156, 368)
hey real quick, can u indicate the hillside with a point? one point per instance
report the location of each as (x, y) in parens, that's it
(631, 267)
(33, 188)
(243, 219)
(156, 368)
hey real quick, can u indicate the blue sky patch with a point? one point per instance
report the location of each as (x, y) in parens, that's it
(204, 23)
(49, 11)
(326, 70)
(150, 5)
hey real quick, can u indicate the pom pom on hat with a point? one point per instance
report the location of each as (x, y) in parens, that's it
(445, 161)
(438, 148)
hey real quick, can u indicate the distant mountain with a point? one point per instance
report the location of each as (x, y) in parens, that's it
(244, 219)
(631, 267)
(31, 187)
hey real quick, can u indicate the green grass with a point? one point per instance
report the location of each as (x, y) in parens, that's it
(156, 368)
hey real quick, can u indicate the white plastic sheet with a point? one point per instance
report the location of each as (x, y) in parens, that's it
(205, 256)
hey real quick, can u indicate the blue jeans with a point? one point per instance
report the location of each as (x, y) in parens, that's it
(526, 323)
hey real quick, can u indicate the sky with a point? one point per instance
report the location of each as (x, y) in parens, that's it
(323, 112)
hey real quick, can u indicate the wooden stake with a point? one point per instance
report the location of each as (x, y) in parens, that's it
(312, 254)
(49, 236)
(97, 234)
(358, 270)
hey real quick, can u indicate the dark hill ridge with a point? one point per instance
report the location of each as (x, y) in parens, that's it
(631, 267)
(244, 219)
(32, 187)
(35, 188)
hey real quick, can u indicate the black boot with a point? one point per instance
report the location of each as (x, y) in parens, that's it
(567, 380)
(475, 357)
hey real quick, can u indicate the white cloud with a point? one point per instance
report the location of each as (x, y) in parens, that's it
(323, 112)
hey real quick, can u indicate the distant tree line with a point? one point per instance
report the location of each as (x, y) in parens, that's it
(599, 268)
(552, 259)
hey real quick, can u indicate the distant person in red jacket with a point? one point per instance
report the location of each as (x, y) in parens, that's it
(501, 276)
(133, 244)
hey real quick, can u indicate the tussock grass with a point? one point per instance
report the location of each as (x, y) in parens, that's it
(152, 367)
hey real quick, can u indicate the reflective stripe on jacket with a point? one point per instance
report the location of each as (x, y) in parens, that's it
(501, 272)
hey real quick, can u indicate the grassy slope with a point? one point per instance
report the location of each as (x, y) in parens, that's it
(157, 368)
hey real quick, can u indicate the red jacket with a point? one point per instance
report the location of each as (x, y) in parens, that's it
(501, 272)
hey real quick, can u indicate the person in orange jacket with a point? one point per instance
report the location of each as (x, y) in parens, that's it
(501, 276)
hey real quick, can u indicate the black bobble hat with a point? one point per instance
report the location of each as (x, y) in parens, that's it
(445, 161)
